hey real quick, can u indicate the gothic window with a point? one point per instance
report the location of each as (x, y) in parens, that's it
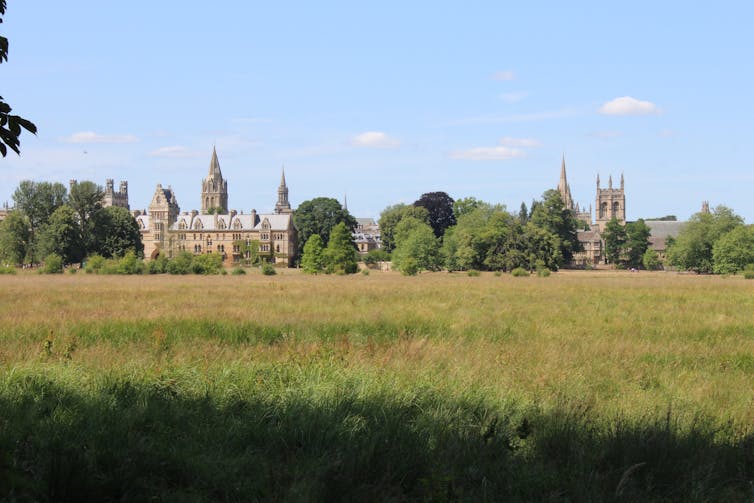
(616, 209)
(277, 248)
(603, 210)
(209, 241)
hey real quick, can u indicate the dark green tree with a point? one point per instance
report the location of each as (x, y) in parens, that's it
(86, 200)
(523, 214)
(14, 238)
(693, 247)
(552, 215)
(615, 241)
(392, 215)
(637, 243)
(319, 216)
(10, 125)
(340, 255)
(38, 201)
(313, 259)
(117, 233)
(62, 236)
(440, 208)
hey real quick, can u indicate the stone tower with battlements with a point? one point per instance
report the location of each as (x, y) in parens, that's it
(113, 198)
(214, 188)
(611, 203)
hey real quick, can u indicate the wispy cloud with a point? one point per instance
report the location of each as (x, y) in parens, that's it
(514, 97)
(92, 137)
(488, 154)
(375, 139)
(505, 75)
(626, 105)
(519, 142)
(175, 152)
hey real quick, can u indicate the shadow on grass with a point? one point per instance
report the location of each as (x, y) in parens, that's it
(140, 441)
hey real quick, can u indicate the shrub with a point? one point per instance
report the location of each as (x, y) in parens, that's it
(268, 269)
(365, 272)
(749, 272)
(519, 272)
(409, 267)
(209, 263)
(374, 256)
(94, 264)
(498, 273)
(472, 273)
(130, 264)
(7, 269)
(180, 264)
(158, 266)
(53, 264)
(543, 272)
(238, 271)
(72, 270)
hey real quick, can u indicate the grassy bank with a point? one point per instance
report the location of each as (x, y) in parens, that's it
(578, 386)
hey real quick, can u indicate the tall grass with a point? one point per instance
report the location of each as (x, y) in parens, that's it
(586, 386)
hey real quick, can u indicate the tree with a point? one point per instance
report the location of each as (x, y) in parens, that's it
(693, 247)
(14, 238)
(551, 214)
(465, 205)
(440, 208)
(86, 200)
(734, 250)
(416, 247)
(651, 260)
(38, 201)
(10, 125)
(392, 215)
(62, 236)
(637, 243)
(615, 241)
(117, 233)
(319, 216)
(313, 260)
(341, 256)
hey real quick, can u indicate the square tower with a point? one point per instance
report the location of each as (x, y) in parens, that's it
(611, 203)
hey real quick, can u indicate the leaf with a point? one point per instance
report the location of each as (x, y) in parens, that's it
(3, 150)
(27, 125)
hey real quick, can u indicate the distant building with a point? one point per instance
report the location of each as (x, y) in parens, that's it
(113, 198)
(367, 235)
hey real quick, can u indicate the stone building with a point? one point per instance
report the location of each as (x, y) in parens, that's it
(611, 203)
(236, 236)
(113, 198)
(367, 235)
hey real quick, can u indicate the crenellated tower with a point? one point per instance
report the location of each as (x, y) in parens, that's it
(214, 188)
(611, 203)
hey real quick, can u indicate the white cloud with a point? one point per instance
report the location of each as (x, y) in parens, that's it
(504, 75)
(488, 154)
(374, 139)
(92, 137)
(626, 105)
(520, 142)
(174, 151)
(514, 97)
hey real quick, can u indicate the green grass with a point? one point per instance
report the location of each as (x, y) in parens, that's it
(587, 386)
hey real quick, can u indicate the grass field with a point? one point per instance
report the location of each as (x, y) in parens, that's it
(580, 386)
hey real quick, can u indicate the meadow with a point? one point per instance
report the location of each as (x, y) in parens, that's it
(578, 386)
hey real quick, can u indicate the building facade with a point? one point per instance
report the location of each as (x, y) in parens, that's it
(238, 237)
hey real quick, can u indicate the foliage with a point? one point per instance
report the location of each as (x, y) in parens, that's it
(520, 272)
(313, 259)
(440, 208)
(734, 250)
(472, 273)
(465, 205)
(615, 241)
(158, 265)
(749, 272)
(365, 272)
(416, 241)
(543, 272)
(14, 238)
(268, 269)
(130, 264)
(392, 215)
(637, 243)
(552, 215)
(409, 267)
(651, 260)
(340, 256)
(94, 264)
(62, 235)
(118, 233)
(252, 249)
(692, 249)
(180, 264)
(37, 201)
(319, 216)
(10, 125)
(85, 199)
(238, 271)
(7, 269)
(53, 264)
(207, 263)
(374, 256)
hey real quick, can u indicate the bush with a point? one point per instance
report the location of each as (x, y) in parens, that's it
(365, 272)
(472, 273)
(749, 272)
(209, 263)
(498, 273)
(72, 270)
(543, 272)
(130, 264)
(158, 266)
(268, 269)
(181, 264)
(53, 264)
(94, 264)
(238, 271)
(7, 269)
(374, 256)
(409, 267)
(520, 272)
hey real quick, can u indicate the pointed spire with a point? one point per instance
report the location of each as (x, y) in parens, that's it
(598, 180)
(345, 201)
(214, 165)
(282, 178)
(621, 180)
(610, 182)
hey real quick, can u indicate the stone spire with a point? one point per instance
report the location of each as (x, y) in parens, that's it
(621, 181)
(283, 206)
(610, 182)
(598, 180)
(705, 207)
(563, 188)
(214, 188)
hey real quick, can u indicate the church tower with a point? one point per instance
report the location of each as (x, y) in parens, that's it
(214, 188)
(283, 206)
(564, 188)
(611, 203)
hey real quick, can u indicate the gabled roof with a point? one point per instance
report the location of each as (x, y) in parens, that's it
(224, 222)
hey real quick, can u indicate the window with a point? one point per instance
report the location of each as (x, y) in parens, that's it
(616, 209)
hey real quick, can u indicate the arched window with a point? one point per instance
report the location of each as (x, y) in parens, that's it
(603, 210)
(616, 209)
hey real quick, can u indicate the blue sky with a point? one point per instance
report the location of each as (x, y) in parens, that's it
(384, 101)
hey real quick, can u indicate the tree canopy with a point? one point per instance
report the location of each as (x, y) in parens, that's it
(10, 125)
(692, 249)
(440, 208)
(391, 217)
(319, 216)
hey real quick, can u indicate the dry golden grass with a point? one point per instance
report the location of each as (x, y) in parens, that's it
(620, 342)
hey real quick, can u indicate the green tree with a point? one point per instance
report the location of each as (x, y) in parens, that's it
(319, 216)
(637, 243)
(10, 125)
(62, 236)
(552, 215)
(651, 260)
(392, 215)
(340, 255)
(416, 245)
(734, 250)
(38, 201)
(14, 238)
(313, 259)
(86, 200)
(692, 248)
(465, 205)
(117, 233)
(440, 208)
(615, 241)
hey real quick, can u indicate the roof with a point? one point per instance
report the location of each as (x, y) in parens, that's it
(224, 222)
(664, 228)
